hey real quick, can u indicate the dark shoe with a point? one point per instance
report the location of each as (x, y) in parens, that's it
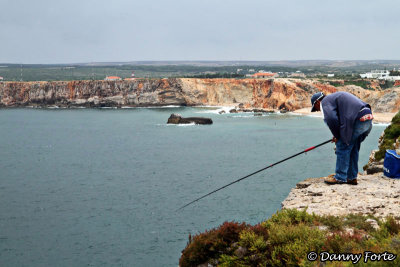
(332, 180)
(352, 182)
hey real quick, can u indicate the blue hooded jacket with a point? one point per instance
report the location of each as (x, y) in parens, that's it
(341, 109)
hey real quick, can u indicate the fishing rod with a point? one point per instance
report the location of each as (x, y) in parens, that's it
(238, 180)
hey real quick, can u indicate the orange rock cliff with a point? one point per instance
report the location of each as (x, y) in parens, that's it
(289, 94)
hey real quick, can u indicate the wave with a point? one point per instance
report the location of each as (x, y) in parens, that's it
(155, 107)
(242, 116)
(172, 124)
(248, 115)
(167, 106)
(186, 125)
(295, 114)
(306, 115)
(215, 110)
(382, 124)
(253, 114)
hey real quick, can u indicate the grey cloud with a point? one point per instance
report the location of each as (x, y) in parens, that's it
(122, 30)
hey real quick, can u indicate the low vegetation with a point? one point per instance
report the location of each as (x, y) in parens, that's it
(363, 83)
(391, 133)
(386, 84)
(286, 238)
(98, 71)
(358, 82)
(216, 75)
(16, 72)
(395, 73)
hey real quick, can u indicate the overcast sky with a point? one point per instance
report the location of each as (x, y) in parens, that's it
(59, 31)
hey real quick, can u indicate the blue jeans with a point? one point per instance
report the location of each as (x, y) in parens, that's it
(347, 155)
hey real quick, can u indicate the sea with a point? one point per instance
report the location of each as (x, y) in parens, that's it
(101, 187)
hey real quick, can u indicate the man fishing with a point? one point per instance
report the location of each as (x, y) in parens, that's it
(350, 121)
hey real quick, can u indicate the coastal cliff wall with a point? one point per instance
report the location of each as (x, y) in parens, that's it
(91, 93)
(289, 94)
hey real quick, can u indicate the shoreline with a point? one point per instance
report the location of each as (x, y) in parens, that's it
(379, 117)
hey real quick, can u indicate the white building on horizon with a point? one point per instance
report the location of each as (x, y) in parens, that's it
(380, 75)
(376, 74)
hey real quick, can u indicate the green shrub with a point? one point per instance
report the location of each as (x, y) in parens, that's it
(386, 84)
(359, 222)
(391, 225)
(291, 243)
(362, 83)
(391, 133)
(334, 223)
(210, 244)
(290, 216)
(341, 242)
(286, 238)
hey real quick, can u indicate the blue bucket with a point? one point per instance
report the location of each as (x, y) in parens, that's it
(391, 164)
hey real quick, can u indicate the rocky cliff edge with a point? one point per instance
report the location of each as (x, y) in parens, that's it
(286, 94)
(374, 194)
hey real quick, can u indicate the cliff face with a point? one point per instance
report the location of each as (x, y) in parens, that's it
(257, 93)
(380, 101)
(91, 93)
(268, 94)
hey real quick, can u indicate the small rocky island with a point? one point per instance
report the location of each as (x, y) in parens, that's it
(178, 119)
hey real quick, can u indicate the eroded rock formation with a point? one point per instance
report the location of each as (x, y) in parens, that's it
(178, 119)
(284, 94)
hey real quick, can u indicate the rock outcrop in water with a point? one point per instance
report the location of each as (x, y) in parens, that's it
(178, 119)
(283, 94)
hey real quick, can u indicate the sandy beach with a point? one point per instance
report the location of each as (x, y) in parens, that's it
(378, 117)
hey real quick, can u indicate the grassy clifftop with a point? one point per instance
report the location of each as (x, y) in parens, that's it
(391, 133)
(288, 236)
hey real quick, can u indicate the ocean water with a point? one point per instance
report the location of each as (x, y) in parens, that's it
(100, 187)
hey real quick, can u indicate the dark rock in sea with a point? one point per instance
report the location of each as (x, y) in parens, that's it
(222, 112)
(257, 114)
(263, 110)
(177, 119)
(233, 111)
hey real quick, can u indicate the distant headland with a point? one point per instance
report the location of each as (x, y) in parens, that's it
(286, 94)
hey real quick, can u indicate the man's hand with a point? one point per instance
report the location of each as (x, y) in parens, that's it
(334, 140)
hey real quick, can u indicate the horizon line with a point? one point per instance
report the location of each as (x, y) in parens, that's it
(201, 61)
